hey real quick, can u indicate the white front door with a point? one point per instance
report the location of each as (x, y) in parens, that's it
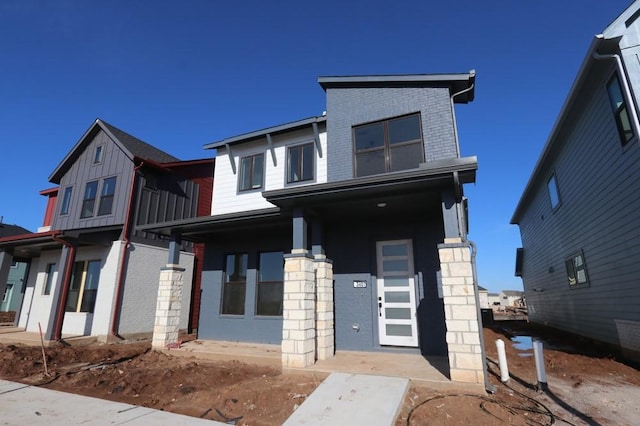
(397, 322)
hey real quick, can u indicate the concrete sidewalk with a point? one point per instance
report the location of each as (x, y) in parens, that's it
(342, 399)
(30, 405)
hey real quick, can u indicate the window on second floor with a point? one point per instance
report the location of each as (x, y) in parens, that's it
(251, 172)
(300, 159)
(388, 146)
(554, 196)
(89, 200)
(620, 110)
(106, 196)
(66, 200)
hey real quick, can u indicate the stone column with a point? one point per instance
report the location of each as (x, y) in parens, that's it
(168, 306)
(461, 313)
(298, 325)
(324, 307)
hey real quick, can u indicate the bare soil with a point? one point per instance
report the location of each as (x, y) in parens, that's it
(586, 384)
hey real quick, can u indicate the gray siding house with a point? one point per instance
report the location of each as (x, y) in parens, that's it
(578, 215)
(346, 231)
(90, 271)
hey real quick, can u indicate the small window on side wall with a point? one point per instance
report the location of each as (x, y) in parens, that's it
(554, 196)
(620, 110)
(577, 271)
(66, 200)
(97, 155)
(251, 172)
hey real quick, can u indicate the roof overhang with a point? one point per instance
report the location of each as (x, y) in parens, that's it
(258, 134)
(434, 174)
(462, 83)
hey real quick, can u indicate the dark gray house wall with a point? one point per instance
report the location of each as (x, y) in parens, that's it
(114, 164)
(349, 107)
(599, 187)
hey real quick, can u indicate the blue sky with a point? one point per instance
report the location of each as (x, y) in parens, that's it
(180, 74)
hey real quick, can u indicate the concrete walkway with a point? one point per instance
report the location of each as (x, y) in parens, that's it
(342, 399)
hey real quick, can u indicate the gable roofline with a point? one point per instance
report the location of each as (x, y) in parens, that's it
(257, 134)
(131, 146)
(457, 82)
(608, 41)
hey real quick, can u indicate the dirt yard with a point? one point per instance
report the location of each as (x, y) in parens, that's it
(586, 385)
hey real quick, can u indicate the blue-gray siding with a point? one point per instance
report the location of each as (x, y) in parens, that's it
(349, 107)
(599, 186)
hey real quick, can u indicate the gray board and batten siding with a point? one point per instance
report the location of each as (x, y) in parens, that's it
(599, 187)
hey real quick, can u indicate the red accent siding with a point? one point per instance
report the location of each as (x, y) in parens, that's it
(51, 206)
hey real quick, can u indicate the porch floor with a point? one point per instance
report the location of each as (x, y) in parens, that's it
(13, 335)
(431, 371)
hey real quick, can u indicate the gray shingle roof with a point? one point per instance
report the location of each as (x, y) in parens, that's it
(11, 230)
(139, 148)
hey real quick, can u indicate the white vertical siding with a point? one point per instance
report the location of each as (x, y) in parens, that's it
(227, 198)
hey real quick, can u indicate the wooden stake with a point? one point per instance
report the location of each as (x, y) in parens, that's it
(44, 357)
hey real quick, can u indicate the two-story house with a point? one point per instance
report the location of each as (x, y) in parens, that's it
(346, 231)
(578, 214)
(15, 273)
(91, 273)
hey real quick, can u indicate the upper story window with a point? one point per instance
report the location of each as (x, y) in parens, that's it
(66, 200)
(106, 196)
(620, 110)
(388, 146)
(251, 172)
(89, 200)
(554, 196)
(300, 160)
(97, 155)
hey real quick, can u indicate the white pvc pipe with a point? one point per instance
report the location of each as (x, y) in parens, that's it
(502, 361)
(540, 370)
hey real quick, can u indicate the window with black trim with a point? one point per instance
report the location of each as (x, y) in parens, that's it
(84, 286)
(620, 110)
(554, 195)
(300, 162)
(270, 291)
(106, 196)
(251, 172)
(577, 270)
(97, 155)
(48, 281)
(89, 200)
(234, 286)
(388, 146)
(66, 200)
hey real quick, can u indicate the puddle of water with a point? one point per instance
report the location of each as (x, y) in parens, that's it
(523, 344)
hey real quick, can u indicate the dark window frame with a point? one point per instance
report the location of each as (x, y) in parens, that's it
(232, 287)
(266, 308)
(86, 211)
(576, 267)
(301, 171)
(251, 184)
(48, 281)
(387, 144)
(82, 287)
(621, 110)
(66, 201)
(553, 191)
(98, 154)
(105, 204)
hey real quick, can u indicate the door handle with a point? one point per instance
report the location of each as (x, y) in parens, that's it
(380, 308)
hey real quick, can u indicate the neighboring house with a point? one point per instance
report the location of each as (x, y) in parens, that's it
(91, 272)
(346, 231)
(578, 215)
(483, 297)
(494, 299)
(11, 299)
(511, 298)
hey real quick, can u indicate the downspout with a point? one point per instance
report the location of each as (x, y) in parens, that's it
(66, 283)
(126, 239)
(626, 91)
(488, 386)
(453, 111)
